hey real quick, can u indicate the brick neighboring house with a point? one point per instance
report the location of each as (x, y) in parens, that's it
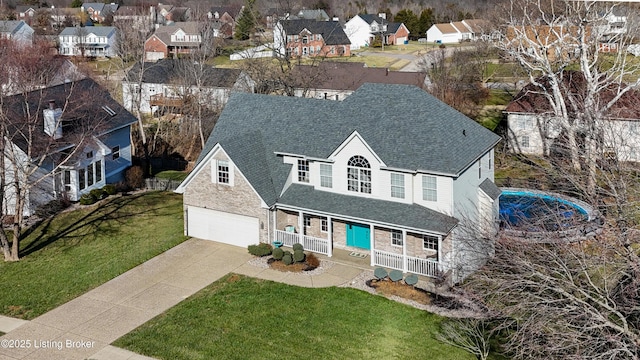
(164, 14)
(226, 16)
(173, 40)
(137, 17)
(390, 172)
(362, 30)
(98, 12)
(312, 38)
(334, 80)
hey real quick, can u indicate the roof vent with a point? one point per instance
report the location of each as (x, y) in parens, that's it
(108, 110)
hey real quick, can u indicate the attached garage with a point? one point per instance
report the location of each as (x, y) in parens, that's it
(401, 40)
(223, 227)
(154, 55)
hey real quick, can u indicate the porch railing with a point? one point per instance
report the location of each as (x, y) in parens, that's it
(310, 243)
(415, 265)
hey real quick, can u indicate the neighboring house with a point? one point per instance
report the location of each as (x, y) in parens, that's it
(165, 86)
(26, 13)
(16, 30)
(98, 12)
(165, 14)
(459, 31)
(64, 17)
(82, 161)
(88, 41)
(532, 127)
(60, 71)
(310, 14)
(362, 30)
(336, 80)
(173, 40)
(137, 17)
(390, 172)
(312, 38)
(226, 16)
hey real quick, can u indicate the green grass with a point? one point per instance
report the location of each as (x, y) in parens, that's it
(172, 175)
(79, 250)
(239, 317)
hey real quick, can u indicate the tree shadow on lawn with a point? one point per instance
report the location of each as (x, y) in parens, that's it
(106, 219)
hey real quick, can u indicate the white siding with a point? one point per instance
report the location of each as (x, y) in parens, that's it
(358, 32)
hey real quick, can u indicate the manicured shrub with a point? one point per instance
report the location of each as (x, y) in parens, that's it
(51, 208)
(277, 253)
(312, 261)
(109, 189)
(287, 259)
(395, 275)
(99, 194)
(411, 279)
(380, 273)
(298, 255)
(87, 199)
(298, 246)
(261, 249)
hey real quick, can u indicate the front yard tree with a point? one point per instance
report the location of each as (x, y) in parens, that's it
(247, 21)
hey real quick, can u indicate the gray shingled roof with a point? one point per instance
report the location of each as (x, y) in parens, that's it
(405, 126)
(166, 71)
(490, 189)
(189, 27)
(331, 31)
(389, 212)
(10, 26)
(96, 30)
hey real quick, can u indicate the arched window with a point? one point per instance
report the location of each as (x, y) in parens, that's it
(359, 175)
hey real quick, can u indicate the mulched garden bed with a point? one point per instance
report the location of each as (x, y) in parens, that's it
(398, 288)
(295, 267)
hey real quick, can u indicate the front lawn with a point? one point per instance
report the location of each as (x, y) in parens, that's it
(240, 317)
(79, 250)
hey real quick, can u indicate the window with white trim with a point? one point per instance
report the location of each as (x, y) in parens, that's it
(524, 141)
(303, 170)
(326, 175)
(223, 173)
(396, 237)
(359, 175)
(430, 242)
(397, 185)
(324, 225)
(307, 221)
(480, 169)
(429, 188)
(115, 152)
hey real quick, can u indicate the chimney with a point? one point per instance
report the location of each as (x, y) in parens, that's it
(383, 15)
(52, 120)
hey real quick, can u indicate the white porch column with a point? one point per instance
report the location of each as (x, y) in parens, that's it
(404, 250)
(300, 226)
(371, 244)
(329, 237)
(438, 251)
(274, 227)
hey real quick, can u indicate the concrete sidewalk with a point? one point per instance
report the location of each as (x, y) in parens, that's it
(84, 327)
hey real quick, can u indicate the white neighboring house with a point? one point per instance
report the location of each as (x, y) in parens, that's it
(533, 129)
(16, 30)
(456, 32)
(412, 188)
(88, 41)
(163, 85)
(360, 29)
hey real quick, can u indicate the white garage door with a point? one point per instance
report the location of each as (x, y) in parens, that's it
(400, 40)
(154, 55)
(223, 227)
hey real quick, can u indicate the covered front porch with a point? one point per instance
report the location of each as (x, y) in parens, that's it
(365, 242)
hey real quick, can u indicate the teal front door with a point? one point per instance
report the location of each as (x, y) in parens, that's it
(358, 236)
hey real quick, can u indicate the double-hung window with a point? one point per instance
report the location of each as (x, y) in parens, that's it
(429, 188)
(397, 185)
(396, 238)
(326, 176)
(430, 242)
(223, 172)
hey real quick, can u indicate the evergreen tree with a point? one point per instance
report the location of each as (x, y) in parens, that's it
(246, 21)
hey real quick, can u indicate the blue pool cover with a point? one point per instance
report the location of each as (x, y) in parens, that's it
(538, 211)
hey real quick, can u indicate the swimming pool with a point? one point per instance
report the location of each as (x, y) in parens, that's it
(538, 211)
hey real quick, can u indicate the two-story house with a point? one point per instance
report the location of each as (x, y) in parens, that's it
(136, 17)
(362, 29)
(164, 84)
(311, 38)
(98, 12)
(174, 39)
(17, 31)
(534, 129)
(404, 179)
(226, 16)
(88, 41)
(79, 140)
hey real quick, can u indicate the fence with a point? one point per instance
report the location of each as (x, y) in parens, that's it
(161, 184)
